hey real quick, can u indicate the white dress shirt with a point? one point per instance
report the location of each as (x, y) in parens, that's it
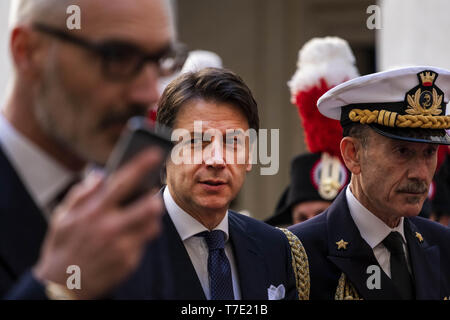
(187, 227)
(43, 177)
(373, 230)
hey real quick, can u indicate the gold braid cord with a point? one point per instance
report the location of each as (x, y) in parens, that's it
(393, 119)
(299, 264)
(345, 290)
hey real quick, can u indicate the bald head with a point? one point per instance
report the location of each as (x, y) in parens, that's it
(28, 11)
(66, 89)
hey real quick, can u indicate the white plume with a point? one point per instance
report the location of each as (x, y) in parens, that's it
(329, 58)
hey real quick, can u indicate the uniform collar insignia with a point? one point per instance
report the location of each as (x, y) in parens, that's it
(341, 244)
(419, 237)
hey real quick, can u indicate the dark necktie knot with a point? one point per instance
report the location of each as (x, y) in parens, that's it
(394, 243)
(214, 239)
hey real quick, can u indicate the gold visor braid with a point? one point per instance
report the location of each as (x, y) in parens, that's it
(393, 119)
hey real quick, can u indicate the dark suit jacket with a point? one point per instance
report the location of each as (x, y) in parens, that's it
(262, 254)
(430, 259)
(22, 227)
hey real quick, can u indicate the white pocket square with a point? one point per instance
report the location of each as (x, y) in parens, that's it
(276, 293)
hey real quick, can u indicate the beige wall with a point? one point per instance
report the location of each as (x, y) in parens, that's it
(260, 39)
(414, 34)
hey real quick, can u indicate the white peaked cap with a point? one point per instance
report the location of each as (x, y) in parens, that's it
(406, 104)
(386, 86)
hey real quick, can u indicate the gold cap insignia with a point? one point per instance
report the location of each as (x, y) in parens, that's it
(427, 78)
(419, 236)
(423, 107)
(341, 244)
(423, 101)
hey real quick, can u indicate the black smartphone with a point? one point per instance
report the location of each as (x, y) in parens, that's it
(138, 135)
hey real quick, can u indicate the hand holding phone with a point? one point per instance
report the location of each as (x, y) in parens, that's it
(139, 135)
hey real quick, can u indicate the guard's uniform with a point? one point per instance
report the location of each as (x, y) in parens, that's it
(320, 174)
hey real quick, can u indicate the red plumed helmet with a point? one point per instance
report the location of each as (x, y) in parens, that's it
(322, 64)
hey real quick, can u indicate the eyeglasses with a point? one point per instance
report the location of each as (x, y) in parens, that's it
(122, 60)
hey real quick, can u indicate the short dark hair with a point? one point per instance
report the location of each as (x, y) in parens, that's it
(210, 84)
(362, 132)
(358, 131)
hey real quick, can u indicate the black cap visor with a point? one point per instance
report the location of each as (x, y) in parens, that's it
(434, 136)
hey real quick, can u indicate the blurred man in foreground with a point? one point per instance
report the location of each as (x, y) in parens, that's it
(72, 93)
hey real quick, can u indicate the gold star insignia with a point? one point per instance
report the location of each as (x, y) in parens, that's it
(419, 236)
(341, 244)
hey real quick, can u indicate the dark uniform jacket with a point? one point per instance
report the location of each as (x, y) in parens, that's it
(331, 268)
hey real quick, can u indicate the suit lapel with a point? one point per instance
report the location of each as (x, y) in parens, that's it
(358, 256)
(251, 266)
(422, 258)
(185, 279)
(22, 225)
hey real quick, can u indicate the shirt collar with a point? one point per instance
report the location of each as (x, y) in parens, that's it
(43, 176)
(186, 225)
(372, 229)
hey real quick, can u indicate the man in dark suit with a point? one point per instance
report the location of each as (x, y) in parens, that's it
(260, 254)
(212, 252)
(72, 94)
(369, 244)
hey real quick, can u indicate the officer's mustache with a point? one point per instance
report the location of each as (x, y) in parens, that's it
(415, 186)
(121, 117)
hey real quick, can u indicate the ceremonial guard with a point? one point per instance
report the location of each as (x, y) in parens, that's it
(319, 175)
